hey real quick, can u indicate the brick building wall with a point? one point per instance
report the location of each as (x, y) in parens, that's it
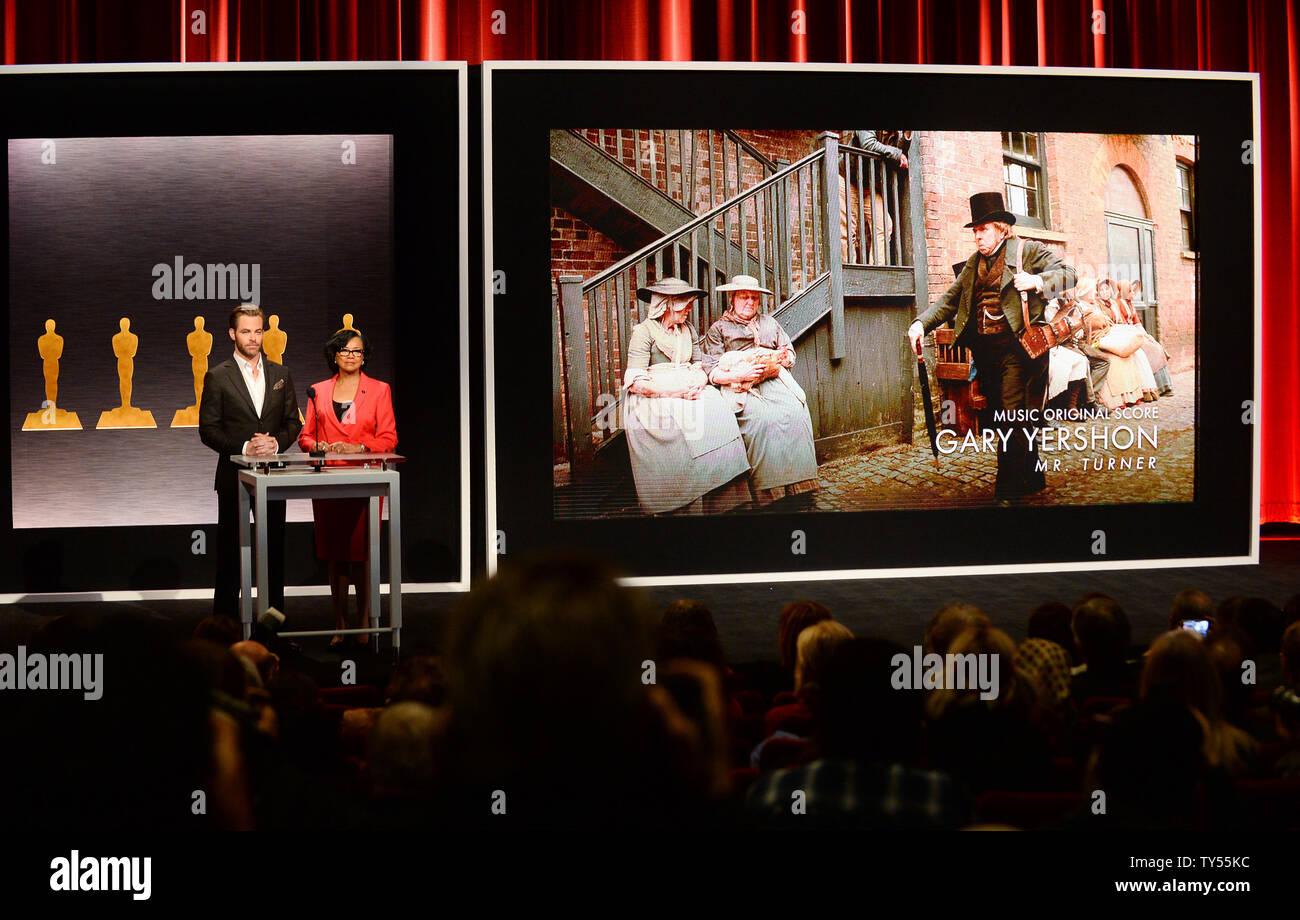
(1079, 166)
(955, 165)
(578, 248)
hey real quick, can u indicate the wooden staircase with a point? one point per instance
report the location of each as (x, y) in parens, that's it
(806, 231)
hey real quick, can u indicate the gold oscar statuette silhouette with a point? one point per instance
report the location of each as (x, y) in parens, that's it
(199, 344)
(274, 342)
(347, 323)
(50, 346)
(126, 415)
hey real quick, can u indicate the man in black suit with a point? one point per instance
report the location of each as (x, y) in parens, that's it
(248, 407)
(984, 304)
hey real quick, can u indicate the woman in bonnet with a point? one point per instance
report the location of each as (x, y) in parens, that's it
(771, 408)
(685, 446)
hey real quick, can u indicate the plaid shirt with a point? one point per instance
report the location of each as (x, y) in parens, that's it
(842, 792)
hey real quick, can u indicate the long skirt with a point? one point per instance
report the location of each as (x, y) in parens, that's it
(778, 433)
(1128, 382)
(1159, 362)
(1065, 365)
(687, 454)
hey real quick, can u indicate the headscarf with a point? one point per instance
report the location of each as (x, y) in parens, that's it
(1048, 665)
(678, 343)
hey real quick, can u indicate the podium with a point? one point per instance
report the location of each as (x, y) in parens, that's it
(283, 476)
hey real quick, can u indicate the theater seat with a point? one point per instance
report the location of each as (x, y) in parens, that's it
(1068, 773)
(363, 695)
(779, 753)
(741, 779)
(1270, 804)
(1101, 705)
(784, 698)
(1269, 752)
(739, 753)
(750, 701)
(1028, 810)
(1260, 696)
(748, 729)
(796, 720)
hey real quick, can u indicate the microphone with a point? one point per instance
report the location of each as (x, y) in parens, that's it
(311, 397)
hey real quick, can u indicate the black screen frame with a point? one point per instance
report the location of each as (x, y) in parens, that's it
(421, 106)
(1219, 526)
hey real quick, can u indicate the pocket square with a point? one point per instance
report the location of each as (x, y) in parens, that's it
(278, 384)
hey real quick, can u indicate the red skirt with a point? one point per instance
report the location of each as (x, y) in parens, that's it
(341, 528)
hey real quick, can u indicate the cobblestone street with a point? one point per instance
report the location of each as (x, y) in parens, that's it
(904, 475)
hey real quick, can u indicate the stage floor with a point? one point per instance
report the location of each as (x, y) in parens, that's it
(895, 608)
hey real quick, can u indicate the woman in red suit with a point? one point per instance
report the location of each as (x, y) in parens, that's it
(351, 414)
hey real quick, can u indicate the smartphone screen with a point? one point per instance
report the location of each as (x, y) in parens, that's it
(1200, 627)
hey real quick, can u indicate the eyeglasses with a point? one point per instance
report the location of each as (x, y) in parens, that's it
(353, 352)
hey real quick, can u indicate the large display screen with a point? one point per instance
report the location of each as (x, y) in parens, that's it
(967, 337)
(803, 393)
(126, 257)
(143, 204)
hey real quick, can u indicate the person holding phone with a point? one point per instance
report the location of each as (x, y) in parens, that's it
(1192, 609)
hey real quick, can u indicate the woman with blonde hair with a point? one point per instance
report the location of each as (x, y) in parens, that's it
(814, 645)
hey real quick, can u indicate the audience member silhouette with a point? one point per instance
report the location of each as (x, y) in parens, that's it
(866, 743)
(1101, 634)
(1179, 668)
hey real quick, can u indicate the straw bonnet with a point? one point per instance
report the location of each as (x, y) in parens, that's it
(743, 283)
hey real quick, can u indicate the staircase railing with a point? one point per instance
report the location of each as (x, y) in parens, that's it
(870, 209)
(794, 227)
(697, 168)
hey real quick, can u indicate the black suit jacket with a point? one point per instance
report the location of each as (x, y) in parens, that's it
(227, 418)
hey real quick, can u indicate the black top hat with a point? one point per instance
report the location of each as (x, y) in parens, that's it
(987, 207)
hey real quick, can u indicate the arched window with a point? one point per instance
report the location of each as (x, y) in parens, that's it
(1130, 242)
(1123, 195)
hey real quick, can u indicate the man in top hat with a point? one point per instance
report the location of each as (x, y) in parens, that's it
(984, 304)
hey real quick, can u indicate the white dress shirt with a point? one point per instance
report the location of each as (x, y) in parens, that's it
(256, 388)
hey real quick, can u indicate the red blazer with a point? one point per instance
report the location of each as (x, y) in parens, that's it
(368, 422)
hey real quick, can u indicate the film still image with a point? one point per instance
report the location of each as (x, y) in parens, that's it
(856, 320)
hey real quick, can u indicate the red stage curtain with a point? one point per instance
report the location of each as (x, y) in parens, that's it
(1256, 35)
